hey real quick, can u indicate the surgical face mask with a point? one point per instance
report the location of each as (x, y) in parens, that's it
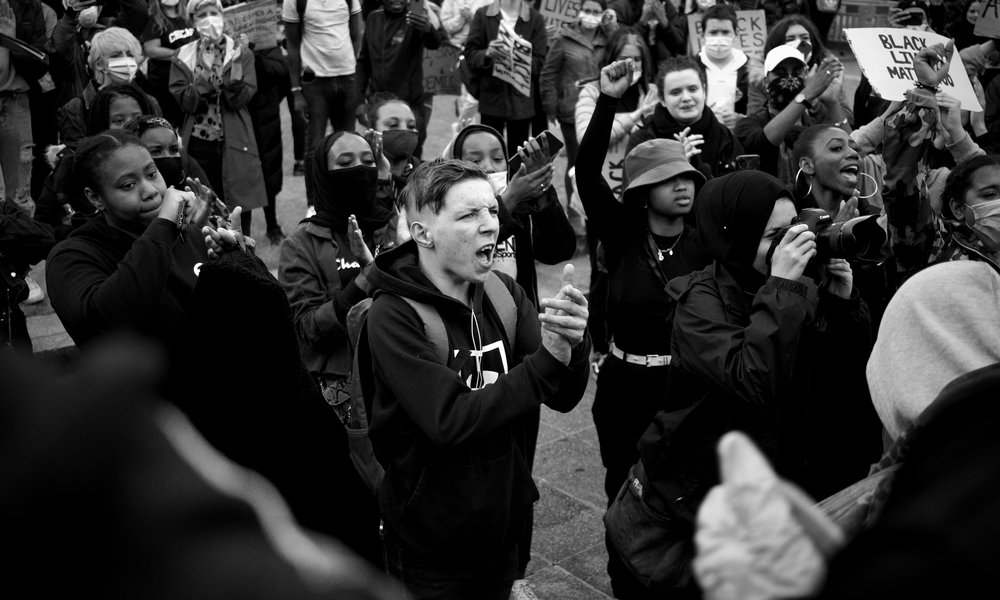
(170, 2)
(210, 27)
(122, 69)
(499, 181)
(986, 223)
(88, 16)
(802, 46)
(706, 4)
(783, 90)
(590, 21)
(718, 46)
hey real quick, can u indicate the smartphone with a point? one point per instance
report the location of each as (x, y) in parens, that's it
(555, 144)
(911, 17)
(417, 7)
(748, 162)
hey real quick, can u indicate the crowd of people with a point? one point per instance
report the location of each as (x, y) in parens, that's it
(766, 255)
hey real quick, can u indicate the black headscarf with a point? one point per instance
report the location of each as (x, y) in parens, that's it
(456, 147)
(717, 150)
(731, 213)
(333, 207)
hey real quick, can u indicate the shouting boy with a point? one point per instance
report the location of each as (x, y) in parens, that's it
(457, 489)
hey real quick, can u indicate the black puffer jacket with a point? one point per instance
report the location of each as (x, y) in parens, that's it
(265, 112)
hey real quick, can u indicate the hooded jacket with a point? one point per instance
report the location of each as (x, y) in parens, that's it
(457, 489)
(753, 352)
(103, 279)
(571, 58)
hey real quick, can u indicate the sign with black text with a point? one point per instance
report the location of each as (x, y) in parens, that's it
(259, 20)
(751, 33)
(561, 13)
(440, 72)
(886, 57)
(516, 68)
(988, 24)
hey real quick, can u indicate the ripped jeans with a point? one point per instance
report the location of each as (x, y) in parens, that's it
(16, 148)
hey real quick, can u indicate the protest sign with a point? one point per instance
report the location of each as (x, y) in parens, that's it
(440, 73)
(561, 13)
(516, 70)
(259, 20)
(751, 33)
(988, 24)
(886, 58)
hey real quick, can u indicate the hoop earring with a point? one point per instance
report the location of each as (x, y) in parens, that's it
(875, 181)
(797, 173)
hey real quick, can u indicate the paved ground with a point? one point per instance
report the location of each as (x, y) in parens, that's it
(568, 554)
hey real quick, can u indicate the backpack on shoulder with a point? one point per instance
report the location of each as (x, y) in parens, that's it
(363, 376)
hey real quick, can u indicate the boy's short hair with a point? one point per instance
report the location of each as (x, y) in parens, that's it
(680, 63)
(430, 181)
(720, 12)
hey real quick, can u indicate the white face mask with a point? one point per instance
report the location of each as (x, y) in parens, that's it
(986, 223)
(210, 27)
(590, 21)
(637, 74)
(718, 46)
(499, 181)
(170, 2)
(88, 16)
(122, 69)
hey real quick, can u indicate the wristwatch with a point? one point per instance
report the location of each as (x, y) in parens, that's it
(801, 99)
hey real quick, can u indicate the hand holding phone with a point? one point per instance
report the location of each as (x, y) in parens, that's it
(536, 153)
(748, 162)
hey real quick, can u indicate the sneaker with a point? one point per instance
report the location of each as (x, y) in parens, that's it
(522, 591)
(310, 211)
(35, 293)
(299, 169)
(275, 235)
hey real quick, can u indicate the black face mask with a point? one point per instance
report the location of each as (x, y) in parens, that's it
(171, 169)
(399, 143)
(783, 90)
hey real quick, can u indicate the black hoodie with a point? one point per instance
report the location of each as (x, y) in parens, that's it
(457, 488)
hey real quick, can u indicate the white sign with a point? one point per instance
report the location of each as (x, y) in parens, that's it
(259, 20)
(886, 58)
(517, 69)
(751, 33)
(988, 24)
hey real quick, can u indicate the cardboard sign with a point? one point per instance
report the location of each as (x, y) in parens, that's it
(517, 70)
(259, 20)
(988, 24)
(560, 13)
(886, 58)
(440, 72)
(751, 33)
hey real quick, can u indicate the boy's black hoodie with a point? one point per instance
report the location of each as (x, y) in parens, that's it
(457, 487)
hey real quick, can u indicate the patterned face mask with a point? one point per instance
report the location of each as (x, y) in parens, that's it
(783, 90)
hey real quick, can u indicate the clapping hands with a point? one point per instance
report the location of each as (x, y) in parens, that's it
(564, 322)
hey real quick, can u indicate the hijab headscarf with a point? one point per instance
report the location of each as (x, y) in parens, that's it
(456, 146)
(335, 203)
(731, 213)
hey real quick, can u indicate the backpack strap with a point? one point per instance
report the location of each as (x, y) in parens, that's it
(498, 295)
(433, 328)
(503, 302)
